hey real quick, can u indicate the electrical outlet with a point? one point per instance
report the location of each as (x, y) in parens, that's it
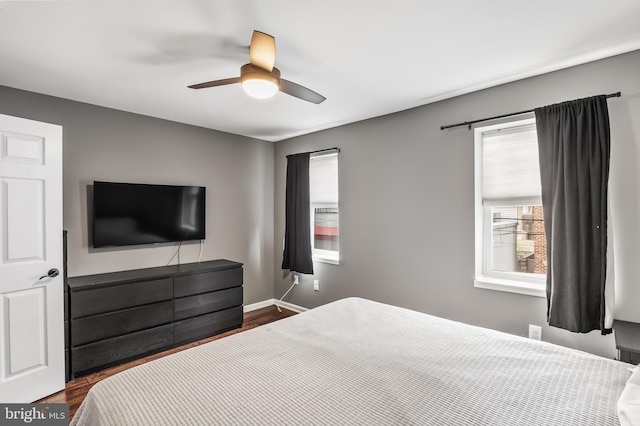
(295, 279)
(316, 285)
(535, 332)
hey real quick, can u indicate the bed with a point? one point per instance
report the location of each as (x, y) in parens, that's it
(356, 361)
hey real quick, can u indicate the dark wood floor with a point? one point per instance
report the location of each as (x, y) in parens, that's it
(75, 391)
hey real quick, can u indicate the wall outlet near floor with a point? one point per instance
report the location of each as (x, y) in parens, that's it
(316, 285)
(535, 332)
(295, 279)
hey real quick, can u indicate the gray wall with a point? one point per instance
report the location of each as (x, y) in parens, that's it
(106, 144)
(407, 213)
(406, 193)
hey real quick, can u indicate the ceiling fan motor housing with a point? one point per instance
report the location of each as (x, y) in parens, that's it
(252, 72)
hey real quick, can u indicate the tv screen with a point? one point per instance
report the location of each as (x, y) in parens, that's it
(132, 213)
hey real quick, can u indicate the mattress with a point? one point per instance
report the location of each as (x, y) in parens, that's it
(360, 362)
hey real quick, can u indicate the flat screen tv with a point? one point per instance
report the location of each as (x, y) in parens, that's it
(131, 213)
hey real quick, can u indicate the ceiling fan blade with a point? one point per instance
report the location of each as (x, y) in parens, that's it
(215, 83)
(262, 51)
(301, 92)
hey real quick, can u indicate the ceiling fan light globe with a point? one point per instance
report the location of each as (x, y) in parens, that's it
(259, 88)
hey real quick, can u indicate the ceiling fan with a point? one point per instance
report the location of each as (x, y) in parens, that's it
(259, 78)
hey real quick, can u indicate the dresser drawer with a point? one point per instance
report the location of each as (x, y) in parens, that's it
(110, 351)
(206, 282)
(105, 299)
(90, 329)
(207, 325)
(205, 303)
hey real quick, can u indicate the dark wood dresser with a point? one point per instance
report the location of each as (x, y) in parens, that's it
(120, 316)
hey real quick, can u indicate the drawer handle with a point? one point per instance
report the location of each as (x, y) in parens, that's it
(52, 273)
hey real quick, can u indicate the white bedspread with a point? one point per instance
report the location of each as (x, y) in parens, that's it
(360, 362)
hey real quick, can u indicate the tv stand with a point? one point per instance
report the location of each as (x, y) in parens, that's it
(120, 316)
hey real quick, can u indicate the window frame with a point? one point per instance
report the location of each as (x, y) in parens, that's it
(484, 276)
(321, 255)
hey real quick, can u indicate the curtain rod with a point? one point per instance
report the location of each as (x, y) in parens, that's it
(323, 150)
(317, 151)
(469, 123)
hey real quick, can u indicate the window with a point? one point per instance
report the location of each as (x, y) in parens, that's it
(510, 240)
(325, 217)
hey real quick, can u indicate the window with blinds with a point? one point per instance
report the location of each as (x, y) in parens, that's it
(325, 217)
(510, 239)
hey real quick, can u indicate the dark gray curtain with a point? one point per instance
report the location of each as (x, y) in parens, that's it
(297, 235)
(573, 140)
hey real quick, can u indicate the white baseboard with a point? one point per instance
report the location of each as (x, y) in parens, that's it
(259, 305)
(290, 306)
(270, 302)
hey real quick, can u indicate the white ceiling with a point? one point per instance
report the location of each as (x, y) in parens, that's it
(369, 58)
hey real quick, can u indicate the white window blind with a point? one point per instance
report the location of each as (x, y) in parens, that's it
(323, 179)
(510, 165)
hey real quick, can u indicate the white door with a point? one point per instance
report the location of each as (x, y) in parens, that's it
(31, 308)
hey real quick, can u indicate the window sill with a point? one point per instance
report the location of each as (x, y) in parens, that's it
(511, 286)
(326, 259)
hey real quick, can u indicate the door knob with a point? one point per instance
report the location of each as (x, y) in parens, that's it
(52, 273)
